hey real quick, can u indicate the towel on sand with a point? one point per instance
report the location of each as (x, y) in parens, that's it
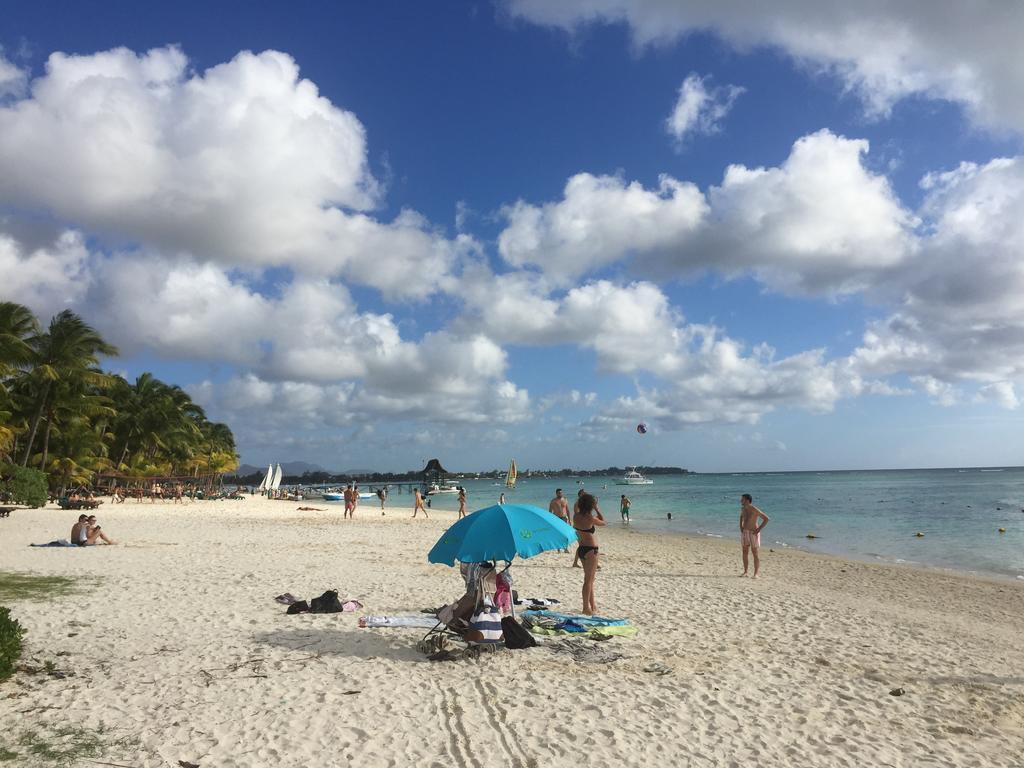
(420, 622)
(554, 623)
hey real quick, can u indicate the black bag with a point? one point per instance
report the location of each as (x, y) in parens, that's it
(300, 606)
(328, 602)
(516, 635)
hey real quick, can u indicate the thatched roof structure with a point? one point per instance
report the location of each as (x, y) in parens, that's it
(434, 472)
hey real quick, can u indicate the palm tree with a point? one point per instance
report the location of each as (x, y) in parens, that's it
(17, 325)
(68, 348)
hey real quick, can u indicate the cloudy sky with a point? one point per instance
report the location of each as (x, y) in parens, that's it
(365, 236)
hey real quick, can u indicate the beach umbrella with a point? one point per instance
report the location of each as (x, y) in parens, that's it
(500, 533)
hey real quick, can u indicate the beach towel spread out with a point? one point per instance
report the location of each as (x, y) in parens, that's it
(420, 622)
(57, 543)
(554, 623)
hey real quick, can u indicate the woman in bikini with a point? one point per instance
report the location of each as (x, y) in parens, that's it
(585, 521)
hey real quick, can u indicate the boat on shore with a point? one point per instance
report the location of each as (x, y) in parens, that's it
(632, 477)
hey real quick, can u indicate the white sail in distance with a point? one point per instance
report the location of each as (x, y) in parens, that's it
(267, 478)
(277, 479)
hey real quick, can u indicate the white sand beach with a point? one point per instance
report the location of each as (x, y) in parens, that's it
(177, 646)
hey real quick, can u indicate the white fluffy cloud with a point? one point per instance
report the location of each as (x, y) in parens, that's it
(700, 108)
(599, 220)
(46, 278)
(12, 78)
(820, 223)
(245, 164)
(708, 377)
(959, 301)
(969, 53)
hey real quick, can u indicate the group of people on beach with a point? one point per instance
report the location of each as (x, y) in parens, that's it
(587, 518)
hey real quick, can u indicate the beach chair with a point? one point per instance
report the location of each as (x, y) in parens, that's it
(481, 586)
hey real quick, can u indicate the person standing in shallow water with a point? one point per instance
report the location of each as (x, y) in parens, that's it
(585, 521)
(462, 502)
(624, 505)
(750, 531)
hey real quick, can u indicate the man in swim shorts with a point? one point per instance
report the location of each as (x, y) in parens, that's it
(559, 507)
(750, 531)
(350, 505)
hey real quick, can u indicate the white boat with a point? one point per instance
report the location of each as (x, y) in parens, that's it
(445, 487)
(276, 482)
(265, 483)
(632, 477)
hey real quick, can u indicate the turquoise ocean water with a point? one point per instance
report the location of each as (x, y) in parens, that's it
(866, 515)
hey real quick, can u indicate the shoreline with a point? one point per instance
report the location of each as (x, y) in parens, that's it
(880, 560)
(175, 640)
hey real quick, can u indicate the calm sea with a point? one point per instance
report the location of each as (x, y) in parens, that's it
(869, 515)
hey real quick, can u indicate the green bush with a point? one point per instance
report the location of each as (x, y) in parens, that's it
(10, 643)
(21, 485)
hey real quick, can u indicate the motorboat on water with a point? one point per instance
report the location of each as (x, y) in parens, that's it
(340, 496)
(632, 477)
(445, 487)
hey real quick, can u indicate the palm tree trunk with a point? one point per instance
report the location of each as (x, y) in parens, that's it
(46, 443)
(35, 424)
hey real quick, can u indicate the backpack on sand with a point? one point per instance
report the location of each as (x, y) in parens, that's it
(516, 635)
(328, 602)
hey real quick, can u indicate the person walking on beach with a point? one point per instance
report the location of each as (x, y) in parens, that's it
(750, 531)
(462, 502)
(624, 508)
(501, 499)
(559, 507)
(382, 494)
(585, 521)
(418, 504)
(347, 495)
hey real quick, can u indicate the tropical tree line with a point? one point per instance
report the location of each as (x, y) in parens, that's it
(60, 413)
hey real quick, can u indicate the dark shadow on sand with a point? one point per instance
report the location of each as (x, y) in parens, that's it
(397, 644)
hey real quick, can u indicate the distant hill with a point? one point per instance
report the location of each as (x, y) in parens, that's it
(287, 467)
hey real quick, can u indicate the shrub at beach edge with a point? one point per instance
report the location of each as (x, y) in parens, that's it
(10, 643)
(21, 485)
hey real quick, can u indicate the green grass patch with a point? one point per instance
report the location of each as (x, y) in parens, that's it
(61, 745)
(24, 586)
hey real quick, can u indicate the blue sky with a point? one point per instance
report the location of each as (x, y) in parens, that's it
(363, 235)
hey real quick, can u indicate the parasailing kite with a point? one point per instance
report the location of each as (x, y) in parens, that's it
(641, 428)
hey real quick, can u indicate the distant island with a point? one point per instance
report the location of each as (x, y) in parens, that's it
(322, 476)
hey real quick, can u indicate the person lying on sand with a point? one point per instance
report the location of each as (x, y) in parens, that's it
(311, 509)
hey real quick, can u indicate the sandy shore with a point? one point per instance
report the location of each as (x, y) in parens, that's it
(178, 648)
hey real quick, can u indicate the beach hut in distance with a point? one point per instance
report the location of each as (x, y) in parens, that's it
(434, 474)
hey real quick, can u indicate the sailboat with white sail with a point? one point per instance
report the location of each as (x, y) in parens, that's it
(267, 479)
(276, 482)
